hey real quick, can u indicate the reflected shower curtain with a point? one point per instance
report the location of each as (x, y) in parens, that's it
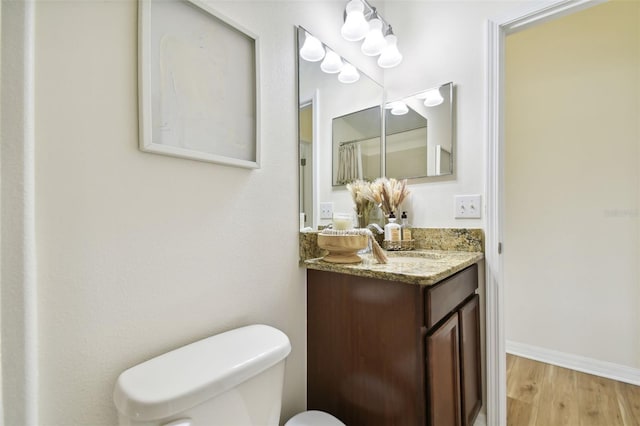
(349, 163)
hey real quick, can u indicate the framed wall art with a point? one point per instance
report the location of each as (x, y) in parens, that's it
(199, 93)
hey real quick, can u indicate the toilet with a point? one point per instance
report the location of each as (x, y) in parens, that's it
(230, 379)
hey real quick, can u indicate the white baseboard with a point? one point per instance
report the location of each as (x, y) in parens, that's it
(621, 373)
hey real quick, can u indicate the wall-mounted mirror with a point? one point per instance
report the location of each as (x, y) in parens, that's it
(357, 146)
(326, 99)
(340, 122)
(419, 134)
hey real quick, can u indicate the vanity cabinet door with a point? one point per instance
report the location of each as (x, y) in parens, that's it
(443, 374)
(365, 350)
(471, 384)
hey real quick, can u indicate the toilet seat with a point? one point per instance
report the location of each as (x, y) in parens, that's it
(313, 418)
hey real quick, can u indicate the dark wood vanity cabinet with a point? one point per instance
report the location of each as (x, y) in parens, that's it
(470, 367)
(381, 352)
(443, 374)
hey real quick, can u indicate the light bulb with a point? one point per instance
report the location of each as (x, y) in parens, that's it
(390, 56)
(332, 62)
(355, 27)
(375, 42)
(312, 49)
(349, 74)
(400, 109)
(433, 98)
(397, 107)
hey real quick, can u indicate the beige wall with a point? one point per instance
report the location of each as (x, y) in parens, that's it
(572, 184)
(407, 162)
(306, 124)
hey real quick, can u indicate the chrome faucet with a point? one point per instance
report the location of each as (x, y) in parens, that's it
(376, 226)
(379, 230)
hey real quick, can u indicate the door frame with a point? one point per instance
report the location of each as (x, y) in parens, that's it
(496, 32)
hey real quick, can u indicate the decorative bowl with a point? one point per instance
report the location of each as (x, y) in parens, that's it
(342, 248)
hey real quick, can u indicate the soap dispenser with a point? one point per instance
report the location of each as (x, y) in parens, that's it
(406, 228)
(392, 229)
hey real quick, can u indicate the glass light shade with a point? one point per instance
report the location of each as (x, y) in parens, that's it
(349, 74)
(433, 98)
(312, 49)
(355, 26)
(390, 56)
(332, 62)
(374, 43)
(400, 109)
(397, 108)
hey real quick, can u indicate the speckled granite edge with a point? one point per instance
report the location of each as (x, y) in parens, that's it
(426, 273)
(457, 239)
(309, 246)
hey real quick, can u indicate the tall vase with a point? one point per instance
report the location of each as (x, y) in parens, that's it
(363, 219)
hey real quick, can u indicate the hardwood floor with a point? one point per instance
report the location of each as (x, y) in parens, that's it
(541, 394)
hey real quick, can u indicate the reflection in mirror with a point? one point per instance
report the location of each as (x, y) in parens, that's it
(325, 94)
(419, 134)
(305, 139)
(356, 146)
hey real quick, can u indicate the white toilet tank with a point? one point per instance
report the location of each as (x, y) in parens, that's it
(233, 378)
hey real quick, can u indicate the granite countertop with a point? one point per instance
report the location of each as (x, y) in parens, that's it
(420, 267)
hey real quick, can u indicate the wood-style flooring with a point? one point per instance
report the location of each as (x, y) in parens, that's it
(541, 394)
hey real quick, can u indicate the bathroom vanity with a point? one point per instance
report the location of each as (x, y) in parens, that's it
(395, 344)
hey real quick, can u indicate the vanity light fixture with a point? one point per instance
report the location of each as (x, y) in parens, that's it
(397, 108)
(332, 62)
(312, 49)
(390, 56)
(355, 25)
(349, 74)
(374, 42)
(379, 40)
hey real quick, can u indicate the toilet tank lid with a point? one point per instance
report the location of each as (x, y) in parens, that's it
(187, 376)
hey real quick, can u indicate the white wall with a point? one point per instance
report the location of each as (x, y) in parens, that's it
(141, 253)
(19, 304)
(443, 42)
(572, 184)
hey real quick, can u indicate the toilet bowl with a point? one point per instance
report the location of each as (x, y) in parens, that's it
(313, 418)
(230, 379)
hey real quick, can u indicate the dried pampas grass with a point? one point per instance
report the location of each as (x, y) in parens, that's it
(388, 194)
(360, 193)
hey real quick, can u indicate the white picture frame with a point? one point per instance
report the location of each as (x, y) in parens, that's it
(198, 84)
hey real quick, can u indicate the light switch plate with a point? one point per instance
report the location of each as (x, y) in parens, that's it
(468, 206)
(326, 210)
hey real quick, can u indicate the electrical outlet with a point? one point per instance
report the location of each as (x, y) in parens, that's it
(468, 206)
(326, 210)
